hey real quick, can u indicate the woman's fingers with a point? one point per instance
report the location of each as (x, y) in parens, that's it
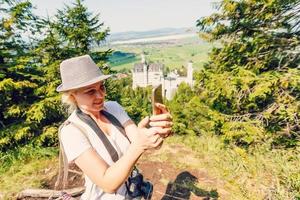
(161, 107)
(144, 122)
(163, 120)
(155, 138)
(163, 132)
(166, 132)
(161, 117)
(158, 142)
(159, 145)
(164, 124)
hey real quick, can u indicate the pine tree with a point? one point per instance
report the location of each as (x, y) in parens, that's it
(30, 107)
(18, 76)
(72, 32)
(253, 79)
(81, 30)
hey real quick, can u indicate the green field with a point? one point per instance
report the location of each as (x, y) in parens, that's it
(173, 54)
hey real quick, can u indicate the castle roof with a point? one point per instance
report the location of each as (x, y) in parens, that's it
(155, 67)
(138, 67)
(152, 67)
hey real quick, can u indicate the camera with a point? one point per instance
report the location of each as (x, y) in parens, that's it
(137, 187)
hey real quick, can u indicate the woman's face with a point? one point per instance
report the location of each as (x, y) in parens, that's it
(90, 98)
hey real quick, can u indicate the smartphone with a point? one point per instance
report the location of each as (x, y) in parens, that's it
(156, 97)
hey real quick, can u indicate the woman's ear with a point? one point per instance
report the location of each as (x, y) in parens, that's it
(72, 97)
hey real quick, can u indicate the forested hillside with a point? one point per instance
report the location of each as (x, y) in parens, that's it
(243, 111)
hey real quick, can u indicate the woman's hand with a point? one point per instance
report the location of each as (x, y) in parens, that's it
(163, 121)
(147, 138)
(161, 108)
(160, 127)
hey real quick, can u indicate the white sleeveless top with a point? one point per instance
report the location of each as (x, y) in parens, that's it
(75, 143)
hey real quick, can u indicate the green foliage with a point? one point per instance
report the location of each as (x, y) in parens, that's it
(17, 81)
(14, 134)
(180, 115)
(48, 137)
(252, 78)
(73, 31)
(29, 68)
(137, 103)
(87, 25)
(16, 156)
(115, 88)
(45, 111)
(242, 133)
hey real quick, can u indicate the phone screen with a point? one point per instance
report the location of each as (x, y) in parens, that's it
(156, 98)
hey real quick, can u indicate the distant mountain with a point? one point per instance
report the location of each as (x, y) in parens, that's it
(122, 36)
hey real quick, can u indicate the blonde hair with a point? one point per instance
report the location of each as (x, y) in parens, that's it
(68, 101)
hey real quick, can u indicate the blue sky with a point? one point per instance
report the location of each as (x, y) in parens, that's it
(138, 15)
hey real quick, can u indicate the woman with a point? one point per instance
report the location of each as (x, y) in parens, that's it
(83, 90)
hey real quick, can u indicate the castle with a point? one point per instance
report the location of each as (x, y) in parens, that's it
(145, 74)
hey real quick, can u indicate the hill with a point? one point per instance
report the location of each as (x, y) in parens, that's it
(172, 51)
(123, 36)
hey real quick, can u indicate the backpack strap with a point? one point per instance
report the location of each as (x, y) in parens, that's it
(63, 168)
(91, 123)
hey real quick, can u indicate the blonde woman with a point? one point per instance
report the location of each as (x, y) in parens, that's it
(90, 137)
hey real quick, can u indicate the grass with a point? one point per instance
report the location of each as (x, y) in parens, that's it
(259, 173)
(24, 168)
(26, 175)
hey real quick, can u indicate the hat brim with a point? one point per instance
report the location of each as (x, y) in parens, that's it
(61, 88)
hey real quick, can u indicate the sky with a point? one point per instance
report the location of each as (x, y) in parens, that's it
(137, 15)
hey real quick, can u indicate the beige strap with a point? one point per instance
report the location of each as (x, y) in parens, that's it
(63, 170)
(85, 134)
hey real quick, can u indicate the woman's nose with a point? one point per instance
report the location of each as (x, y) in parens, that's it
(100, 94)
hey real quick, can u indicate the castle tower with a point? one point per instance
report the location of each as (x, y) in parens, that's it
(134, 85)
(143, 60)
(145, 69)
(190, 73)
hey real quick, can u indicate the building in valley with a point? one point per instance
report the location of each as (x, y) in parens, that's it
(150, 74)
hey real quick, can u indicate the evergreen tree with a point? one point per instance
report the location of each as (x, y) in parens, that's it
(253, 79)
(72, 32)
(30, 107)
(81, 30)
(18, 76)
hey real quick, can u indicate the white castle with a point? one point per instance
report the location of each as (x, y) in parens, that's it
(144, 74)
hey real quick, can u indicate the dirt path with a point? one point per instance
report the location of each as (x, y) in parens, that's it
(173, 171)
(172, 183)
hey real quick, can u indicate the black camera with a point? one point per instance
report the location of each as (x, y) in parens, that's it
(137, 187)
